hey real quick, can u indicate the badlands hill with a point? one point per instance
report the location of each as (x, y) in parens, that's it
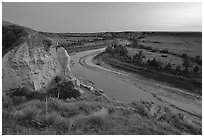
(42, 96)
(30, 59)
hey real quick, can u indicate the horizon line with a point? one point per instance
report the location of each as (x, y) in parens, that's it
(110, 31)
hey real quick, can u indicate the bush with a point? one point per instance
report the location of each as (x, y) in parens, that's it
(154, 63)
(63, 89)
(20, 95)
(184, 55)
(168, 67)
(164, 51)
(47, 43)
(19, 100)
(109, 49)
(196, 69)
(138, 58)
(164, 56)
(117, 50)
(186, 71)
(198, 60)
(10, 35)
(120, 49)
(178, 68)
(186, 64)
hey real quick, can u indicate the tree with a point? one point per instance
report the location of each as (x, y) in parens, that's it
(109, 49)
(178, 68)
(135, 43)
(138, 57)
(198, 60)
(186, 63)
(148, 61)
(184, 55)
(120, 49)
(154, 63)
(196, 69)
(168, 67)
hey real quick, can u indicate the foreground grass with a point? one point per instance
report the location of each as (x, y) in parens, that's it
(57, 116)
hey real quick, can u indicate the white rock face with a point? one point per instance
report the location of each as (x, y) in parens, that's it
(63, 58)
(33, 66)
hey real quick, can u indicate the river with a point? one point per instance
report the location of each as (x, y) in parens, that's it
(127, 87)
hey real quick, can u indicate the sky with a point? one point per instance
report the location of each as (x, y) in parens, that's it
(100, 17)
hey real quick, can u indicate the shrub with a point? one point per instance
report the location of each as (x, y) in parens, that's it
(168, 67)
(63, 89)
(19, 100)
(11, 35)
(164, 51)
(186, 64)
(184, 55)
(47, 43)
(21, 95)
(186, 71)
(154, 63)
(164, 56)
(196, 69)
(178, 68)
(135, 43)
(198, 60)
(141, 46)
(138, 58)
(156, 42)
(120, 49)
(98, 63)
(109, 49)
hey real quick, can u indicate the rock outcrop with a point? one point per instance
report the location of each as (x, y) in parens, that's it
(33, 63)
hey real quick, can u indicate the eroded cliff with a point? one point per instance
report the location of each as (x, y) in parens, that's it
(33, 63)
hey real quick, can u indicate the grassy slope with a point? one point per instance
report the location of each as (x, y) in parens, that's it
(12, 35)
(91, 115)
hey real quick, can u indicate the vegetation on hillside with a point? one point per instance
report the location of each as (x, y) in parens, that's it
(10, 35)
(139, 59)
(28, 113)
(178, 75)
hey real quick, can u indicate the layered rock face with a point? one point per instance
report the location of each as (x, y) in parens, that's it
(33, 64)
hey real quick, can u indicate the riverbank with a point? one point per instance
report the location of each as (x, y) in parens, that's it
(105, 60)
(132, 87)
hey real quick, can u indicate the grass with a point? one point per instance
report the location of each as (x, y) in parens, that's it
(59, 116)
(176, 44)
(79, 118)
